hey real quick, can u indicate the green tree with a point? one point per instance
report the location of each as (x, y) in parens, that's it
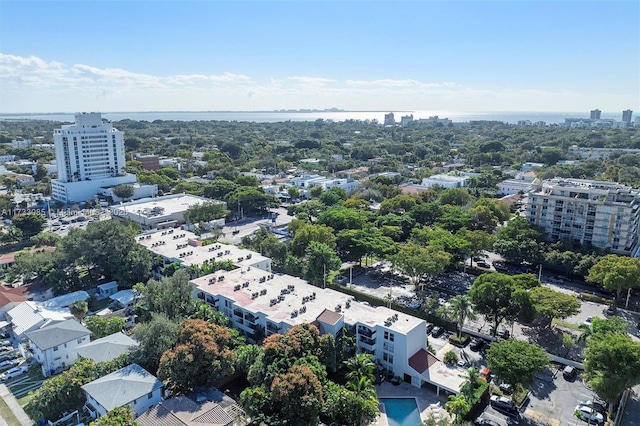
(123, 191)
(340, 218)
(457, 405)
(347, 407)
(320, 261)
(307, 233)
(154, 337)
(479, 241)
(612, 364)
(455, 197)
(120, 416)
(461, 308)
(554, 304)
(516, 361)
(518, 241)
(101, 327)
(30, 223)
(417, 262)
(293, 192)
(616, 273)
(171, 296)
(205, 212)
(333, 196)
(78, 309)
(316, 191)
(360, 366)
(497, 298)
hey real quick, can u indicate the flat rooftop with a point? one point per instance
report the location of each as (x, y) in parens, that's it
(242, 285)
(183, 246)
(159, 206)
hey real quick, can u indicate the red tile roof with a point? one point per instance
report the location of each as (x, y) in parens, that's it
(422, 360)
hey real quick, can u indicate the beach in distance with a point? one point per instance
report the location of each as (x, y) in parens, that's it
(277, 116)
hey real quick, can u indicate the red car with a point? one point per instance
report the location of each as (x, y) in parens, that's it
(485, 375)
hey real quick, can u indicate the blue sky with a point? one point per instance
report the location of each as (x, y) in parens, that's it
(358, 55)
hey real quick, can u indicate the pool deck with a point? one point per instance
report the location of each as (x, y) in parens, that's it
(426, 400)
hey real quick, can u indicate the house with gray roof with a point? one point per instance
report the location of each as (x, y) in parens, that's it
(54, 345)
(107, 348)
(131, 385)
(182, 411)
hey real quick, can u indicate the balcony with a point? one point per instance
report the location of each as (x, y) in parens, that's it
(367, 341)
(363, 331)
(238, 312)
(273, 328)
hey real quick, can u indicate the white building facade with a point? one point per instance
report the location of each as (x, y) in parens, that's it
(90, 154)
(603, 214)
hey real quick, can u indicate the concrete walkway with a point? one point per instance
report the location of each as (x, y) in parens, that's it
(17, 410)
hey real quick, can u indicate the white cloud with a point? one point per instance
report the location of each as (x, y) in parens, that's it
(32, 84)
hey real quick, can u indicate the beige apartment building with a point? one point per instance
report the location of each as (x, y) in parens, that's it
(603, 214)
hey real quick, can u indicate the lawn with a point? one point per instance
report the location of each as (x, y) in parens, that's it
(7, 415)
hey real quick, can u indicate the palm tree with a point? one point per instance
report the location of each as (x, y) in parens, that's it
(470, 382)
(78, 309)
(360, 366)
(461, 309)
(457, 404)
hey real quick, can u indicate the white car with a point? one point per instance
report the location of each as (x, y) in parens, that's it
(14, 372)
(588, 414)
(587, 322)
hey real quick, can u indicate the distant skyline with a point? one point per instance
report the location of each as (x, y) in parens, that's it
(353, 55)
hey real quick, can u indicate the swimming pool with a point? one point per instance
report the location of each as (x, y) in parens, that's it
(401, 411)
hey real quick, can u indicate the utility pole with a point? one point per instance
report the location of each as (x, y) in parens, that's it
(324, 275)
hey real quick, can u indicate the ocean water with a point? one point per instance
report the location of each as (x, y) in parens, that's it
(275, 116)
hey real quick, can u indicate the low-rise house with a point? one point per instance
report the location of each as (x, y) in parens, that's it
(107, 348)
(29, 316)
(9, 299)
(131, 385)
(54, 346)
(107, 289)
(124, 299)
(181, 411)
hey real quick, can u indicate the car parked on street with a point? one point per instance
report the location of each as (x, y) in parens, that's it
(429, 327)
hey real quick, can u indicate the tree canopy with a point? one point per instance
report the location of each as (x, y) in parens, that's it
(516, 361)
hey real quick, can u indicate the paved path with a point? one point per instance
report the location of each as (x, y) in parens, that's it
(631, 415)
(8, 397)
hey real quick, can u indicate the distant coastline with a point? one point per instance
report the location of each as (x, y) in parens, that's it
(335, 114)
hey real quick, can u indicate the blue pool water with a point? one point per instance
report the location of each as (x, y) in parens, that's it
(401, 411)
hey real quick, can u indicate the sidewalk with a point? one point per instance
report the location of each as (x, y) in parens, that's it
(17, 410)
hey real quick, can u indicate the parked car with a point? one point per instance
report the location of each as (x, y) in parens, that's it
(612, 310)
(505, 388)
(503, 333)
(437, 331)
(588, 414)
(485, 375)
(14, 372)
(429, 327)
(587, 322)
(5, 343)
(476, 344)
(8, 364)
(482, 264)
(502, 403)
(9, 355)
(485, 422)
(569, 372)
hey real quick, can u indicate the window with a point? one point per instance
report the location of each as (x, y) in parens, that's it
(150, 395)
(55, 348)
(79, 341)
(388, 346)
(389, 336)
(387, 357)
